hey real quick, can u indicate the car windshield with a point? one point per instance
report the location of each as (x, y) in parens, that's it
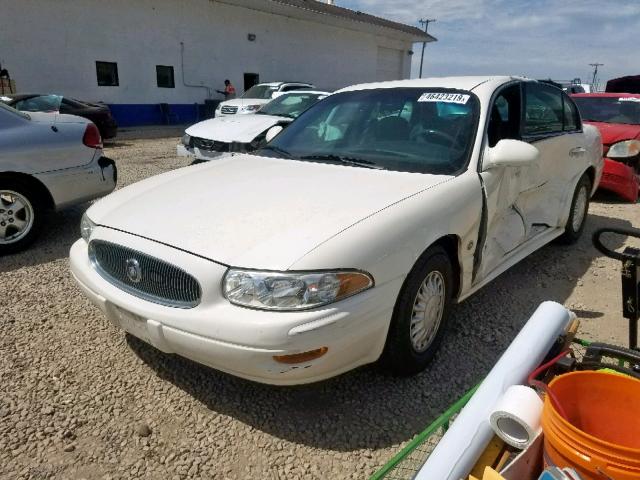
(260, 91)
(610, 109)
(402, 129)
(291, 104)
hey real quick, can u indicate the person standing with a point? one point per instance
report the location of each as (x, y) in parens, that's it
(229, 91)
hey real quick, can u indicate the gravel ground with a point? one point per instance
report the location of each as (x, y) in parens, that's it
(78, 399)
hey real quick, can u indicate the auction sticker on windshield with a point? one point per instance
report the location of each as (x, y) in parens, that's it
(460, 98)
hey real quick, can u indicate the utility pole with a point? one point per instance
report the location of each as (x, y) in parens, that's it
(595, 74)
(424, 44)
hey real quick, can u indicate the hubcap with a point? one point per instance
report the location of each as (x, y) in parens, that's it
(426, 315)
(580, 208)
(16, 216)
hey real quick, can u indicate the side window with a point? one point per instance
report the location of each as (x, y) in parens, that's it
(571, 117)
(504, 121)
(544, 109)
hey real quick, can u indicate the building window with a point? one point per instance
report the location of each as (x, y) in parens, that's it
(164, 75)
(107, 73)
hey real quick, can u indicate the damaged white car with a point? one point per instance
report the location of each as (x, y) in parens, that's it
(244, 133)
(348, 237)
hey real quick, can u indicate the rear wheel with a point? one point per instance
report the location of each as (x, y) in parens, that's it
(20, 216)
(578, 215)
(420, 315)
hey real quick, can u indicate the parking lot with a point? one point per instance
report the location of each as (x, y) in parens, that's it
(78, 399)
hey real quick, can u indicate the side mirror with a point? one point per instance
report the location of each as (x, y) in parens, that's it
(511, 153)
(272, 132)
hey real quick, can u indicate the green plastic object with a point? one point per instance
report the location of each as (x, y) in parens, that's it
(406, 463)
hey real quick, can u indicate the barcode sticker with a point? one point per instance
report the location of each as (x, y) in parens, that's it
(459, 98)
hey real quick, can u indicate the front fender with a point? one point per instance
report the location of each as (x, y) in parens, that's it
(388, 243)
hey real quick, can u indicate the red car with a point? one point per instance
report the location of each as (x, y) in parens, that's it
(617, 116)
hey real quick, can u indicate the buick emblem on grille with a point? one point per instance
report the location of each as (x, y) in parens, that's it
(134, 272)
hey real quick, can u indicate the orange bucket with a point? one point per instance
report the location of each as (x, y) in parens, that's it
(601, 439)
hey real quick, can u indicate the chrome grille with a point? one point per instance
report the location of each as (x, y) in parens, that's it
(144, 276)
(209, 145)
(229, 110)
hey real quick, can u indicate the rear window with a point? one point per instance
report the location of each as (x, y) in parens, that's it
(7, 110)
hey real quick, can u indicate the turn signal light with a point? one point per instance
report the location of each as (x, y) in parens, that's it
(301, 357)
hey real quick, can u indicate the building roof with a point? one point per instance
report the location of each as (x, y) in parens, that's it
(332, 14)
(358, 16)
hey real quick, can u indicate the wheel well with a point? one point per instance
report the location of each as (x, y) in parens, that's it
(591, 173)
(38, 187)
(451, 245)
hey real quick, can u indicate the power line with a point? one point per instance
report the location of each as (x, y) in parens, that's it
(424, 44)
(595, 73)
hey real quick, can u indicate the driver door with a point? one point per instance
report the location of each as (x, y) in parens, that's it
(506, 222)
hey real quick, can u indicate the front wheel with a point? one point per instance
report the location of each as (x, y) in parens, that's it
(420, 315)
(20, 217)
(578, 215)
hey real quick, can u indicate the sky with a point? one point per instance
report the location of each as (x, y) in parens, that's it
(536, 38)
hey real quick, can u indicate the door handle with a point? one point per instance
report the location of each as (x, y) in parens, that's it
(576, 152)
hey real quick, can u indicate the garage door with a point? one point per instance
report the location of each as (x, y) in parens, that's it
(389, 64)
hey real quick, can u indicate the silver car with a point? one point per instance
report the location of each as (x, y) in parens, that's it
(47, 162)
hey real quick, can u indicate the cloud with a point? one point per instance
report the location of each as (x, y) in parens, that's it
(541, 39)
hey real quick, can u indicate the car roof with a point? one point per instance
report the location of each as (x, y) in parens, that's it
(460, 83)
(607, 94)
(277, 84)
(301, 92)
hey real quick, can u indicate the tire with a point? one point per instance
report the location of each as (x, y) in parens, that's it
(21, 216)
(404, 355)
(578, 214)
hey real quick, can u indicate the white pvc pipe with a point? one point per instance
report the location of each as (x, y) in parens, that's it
(459, 449)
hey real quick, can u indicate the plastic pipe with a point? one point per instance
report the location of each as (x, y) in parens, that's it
(459, 449)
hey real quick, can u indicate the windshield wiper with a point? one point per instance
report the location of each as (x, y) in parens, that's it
(278, 150)
(354, 162)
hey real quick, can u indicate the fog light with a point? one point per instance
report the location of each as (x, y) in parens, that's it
(301, 357)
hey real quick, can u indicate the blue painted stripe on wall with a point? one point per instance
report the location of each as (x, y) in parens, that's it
(132, 114)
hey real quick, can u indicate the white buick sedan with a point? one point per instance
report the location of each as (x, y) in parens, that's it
(346, 239)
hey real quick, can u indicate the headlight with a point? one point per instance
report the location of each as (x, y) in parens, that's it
(291, 290)
(250, 108)
(628, 148)
(186, 140)
(86, 227)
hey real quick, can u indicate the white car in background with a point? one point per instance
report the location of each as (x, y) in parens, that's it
(257, 96)
(48, 161)
(349, 235)
(244, 133)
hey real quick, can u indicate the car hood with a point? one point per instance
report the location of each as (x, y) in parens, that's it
(240, 102)
(255, 212)
(235, 128)
(616, 132)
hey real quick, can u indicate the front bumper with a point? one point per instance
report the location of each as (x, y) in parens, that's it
(621, 179)
(197, 154)
(237, 340)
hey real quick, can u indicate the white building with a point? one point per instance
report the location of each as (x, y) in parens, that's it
(135, 55)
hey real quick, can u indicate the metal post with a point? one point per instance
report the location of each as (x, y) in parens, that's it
(424, 44)
(631, 293)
